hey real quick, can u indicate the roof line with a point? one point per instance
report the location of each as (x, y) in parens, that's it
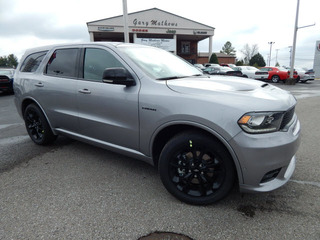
(149, 10)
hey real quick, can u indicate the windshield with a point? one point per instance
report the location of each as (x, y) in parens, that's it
(159, 64)
(5, 72)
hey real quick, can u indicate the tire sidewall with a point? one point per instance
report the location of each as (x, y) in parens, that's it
(182, 141)
(47, 136)
(275, 79)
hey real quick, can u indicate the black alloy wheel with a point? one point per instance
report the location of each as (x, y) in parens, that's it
(196, 168)
(37, 126)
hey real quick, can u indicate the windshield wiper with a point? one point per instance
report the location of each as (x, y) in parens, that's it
(172, 77)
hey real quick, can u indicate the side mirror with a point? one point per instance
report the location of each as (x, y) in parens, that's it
(119, 76)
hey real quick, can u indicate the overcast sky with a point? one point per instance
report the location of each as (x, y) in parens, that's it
(31, 23)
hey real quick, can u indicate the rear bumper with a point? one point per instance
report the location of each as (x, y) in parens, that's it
(262, 77)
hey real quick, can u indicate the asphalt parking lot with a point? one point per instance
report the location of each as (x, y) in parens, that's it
(72, 190)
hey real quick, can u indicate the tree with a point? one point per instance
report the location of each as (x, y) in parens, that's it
(239, 63)
(228, 49)
(257, 60)
(214, 58)
(10, 61)
(249, 52)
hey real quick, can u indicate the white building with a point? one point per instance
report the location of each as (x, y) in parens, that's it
(316, 63)
(157, 28)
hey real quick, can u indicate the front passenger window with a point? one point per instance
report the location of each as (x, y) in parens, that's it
(96, 61)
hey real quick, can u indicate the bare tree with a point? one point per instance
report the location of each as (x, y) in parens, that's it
(249, 52)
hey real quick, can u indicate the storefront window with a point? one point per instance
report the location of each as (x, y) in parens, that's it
(185, 47)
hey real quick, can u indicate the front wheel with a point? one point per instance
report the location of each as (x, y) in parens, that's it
(196, 168)
(37, 126)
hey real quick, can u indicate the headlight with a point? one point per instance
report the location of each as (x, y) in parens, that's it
(261, 122)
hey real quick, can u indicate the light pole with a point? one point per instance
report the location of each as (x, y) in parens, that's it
(290, 50)
(295, 39)
(125, 19)
(270, 52)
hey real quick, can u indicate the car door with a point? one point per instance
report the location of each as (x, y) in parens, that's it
(54, 88)
(107, 112)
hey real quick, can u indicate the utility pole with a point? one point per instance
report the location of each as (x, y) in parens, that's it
(277, 56)
(290, 47)
(270, 52)
(125, 19)
(295, 40)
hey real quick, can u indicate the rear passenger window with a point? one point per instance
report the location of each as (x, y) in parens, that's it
(32, 62)
(63, 63)
(96, 61)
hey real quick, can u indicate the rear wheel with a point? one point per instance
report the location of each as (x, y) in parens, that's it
(275, 79)
(37, 126)
(196, 168)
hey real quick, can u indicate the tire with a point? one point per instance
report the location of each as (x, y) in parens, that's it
(275, 79)
(196, 168)
(37, 126)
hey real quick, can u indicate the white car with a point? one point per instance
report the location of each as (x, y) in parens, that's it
(302, 76)
(250, 72)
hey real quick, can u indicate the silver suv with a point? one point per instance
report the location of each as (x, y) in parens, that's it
(203, 133)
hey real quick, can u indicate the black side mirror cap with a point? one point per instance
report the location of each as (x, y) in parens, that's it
(119, 76)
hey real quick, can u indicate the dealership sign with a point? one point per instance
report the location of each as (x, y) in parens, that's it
(165, 44)
(154, 22)
(106, 29)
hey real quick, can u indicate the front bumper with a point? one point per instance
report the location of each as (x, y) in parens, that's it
(262, 154)
(6, 86)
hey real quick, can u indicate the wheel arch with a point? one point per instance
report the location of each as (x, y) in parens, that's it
(166, 133)
(26, 102)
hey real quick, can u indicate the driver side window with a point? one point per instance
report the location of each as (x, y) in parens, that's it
(96, 61)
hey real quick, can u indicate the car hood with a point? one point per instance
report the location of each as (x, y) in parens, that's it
(233, 89)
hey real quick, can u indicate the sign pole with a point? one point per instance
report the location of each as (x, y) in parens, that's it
(125, 19)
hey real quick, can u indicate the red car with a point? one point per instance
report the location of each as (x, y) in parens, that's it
(278, 74)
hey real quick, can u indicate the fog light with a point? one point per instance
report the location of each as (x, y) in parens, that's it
(270, 175)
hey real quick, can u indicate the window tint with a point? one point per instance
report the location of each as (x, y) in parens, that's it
(96, 61)
(63, 63)
(32, 62)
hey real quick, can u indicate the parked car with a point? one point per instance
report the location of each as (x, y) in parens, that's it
(277, 74)
(310, 71)
(303, 75)
(252, 72)
(200, 66)
(230, 65)
(211, 65)
(202, 132)
(219, 70)
(6, 80)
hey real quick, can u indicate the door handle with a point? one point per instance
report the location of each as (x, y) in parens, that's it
(84, 91)
(39, 84)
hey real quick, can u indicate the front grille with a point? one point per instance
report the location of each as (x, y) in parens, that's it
(287, 117)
